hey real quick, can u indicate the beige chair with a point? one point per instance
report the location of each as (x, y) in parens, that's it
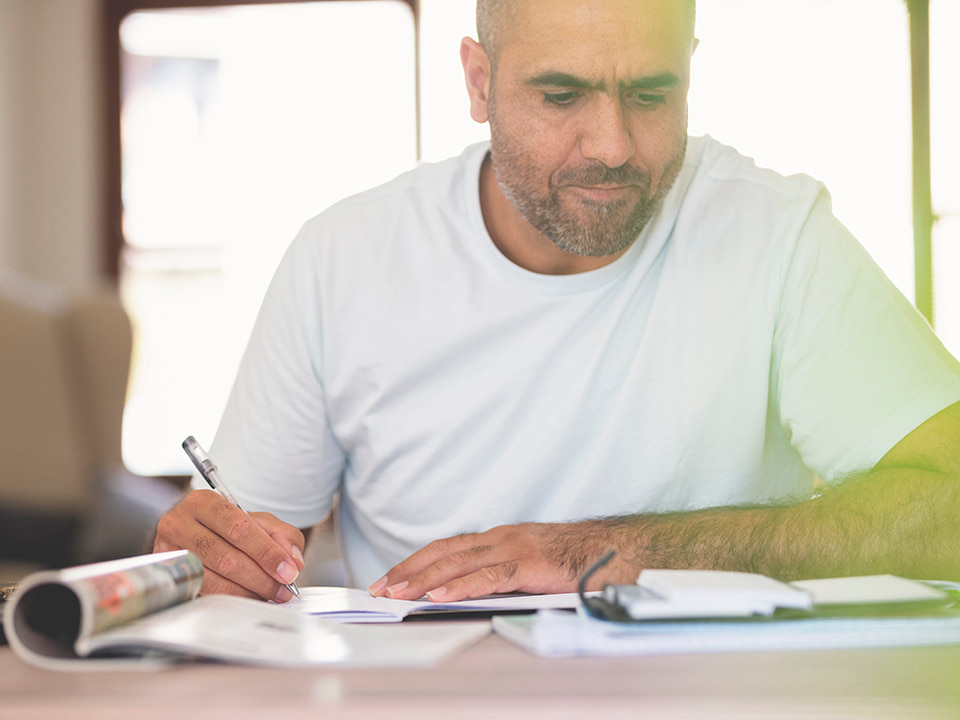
(65, 496)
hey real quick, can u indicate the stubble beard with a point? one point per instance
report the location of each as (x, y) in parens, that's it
(593, 229)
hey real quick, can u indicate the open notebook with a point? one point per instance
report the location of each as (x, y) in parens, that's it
(357, 606)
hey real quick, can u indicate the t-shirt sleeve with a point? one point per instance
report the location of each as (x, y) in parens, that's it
(856, 367)
(274, 445)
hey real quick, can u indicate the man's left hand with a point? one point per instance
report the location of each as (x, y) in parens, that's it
(531, 557)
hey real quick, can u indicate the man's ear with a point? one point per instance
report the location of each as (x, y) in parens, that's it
(476, 73)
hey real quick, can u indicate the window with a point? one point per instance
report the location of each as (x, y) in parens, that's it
(238, 124)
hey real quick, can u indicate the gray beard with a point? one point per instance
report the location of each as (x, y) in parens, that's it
(604, 231)
(601, 234)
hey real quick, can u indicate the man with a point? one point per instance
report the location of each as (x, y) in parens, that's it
(594, 334)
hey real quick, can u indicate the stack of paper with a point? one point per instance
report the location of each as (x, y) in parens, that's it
(554, 633)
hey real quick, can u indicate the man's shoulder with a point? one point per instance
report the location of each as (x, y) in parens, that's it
(408, 221)
(723, 168)
(728, 212)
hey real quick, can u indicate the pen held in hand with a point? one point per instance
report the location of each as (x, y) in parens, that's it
(211, 474)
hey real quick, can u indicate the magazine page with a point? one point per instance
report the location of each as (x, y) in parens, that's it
(52, 611)
(241, 630)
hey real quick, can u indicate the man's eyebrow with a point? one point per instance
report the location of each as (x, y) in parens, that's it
(662, 81)
(561, 79)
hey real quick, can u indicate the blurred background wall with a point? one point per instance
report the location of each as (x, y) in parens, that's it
(51, 205)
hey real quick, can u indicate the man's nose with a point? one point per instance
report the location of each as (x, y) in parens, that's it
(606, 137)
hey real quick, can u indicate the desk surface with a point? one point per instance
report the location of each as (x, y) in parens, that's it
(494, 679)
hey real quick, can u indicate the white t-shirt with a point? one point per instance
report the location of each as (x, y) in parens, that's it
(743, 345)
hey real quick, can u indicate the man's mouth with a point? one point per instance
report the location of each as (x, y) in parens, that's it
(602, 193)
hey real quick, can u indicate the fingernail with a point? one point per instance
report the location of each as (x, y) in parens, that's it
(437, 594)
(378, 586)
(297, 555)
(283, 595)
(287, 573)
(394, 589)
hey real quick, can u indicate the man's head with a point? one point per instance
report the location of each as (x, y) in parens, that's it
(586, 101)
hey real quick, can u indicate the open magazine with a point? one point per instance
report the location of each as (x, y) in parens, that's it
(144, 612)
(54, 615)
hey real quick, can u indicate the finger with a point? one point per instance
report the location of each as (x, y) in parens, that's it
(455, 565)
(422, 559)
(284, 534)
(214, 584)
(489, 580)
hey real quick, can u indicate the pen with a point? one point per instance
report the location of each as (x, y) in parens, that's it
(211, 474)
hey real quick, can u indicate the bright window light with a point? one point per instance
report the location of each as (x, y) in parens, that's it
(945, 161)
(238, 124)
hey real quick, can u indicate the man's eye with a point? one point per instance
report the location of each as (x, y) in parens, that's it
(647, 99)
(560, 99)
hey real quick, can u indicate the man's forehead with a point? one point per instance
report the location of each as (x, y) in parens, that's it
(661, 16)
(635, 35)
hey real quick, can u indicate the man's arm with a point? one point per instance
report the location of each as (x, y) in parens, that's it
(898, 518)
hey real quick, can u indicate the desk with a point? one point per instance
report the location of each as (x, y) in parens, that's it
(494, 679)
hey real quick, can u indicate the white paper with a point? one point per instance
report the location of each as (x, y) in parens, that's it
(867, 590)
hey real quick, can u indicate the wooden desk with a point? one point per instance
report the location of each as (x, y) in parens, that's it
(497, 680)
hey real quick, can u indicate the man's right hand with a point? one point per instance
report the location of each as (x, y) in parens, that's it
(251, 555)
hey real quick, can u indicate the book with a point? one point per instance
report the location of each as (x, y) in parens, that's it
(661, 594)
(351, 605)
(144, 612)
(557, 633)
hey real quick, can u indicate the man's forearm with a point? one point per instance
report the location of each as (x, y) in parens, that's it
(891, 521)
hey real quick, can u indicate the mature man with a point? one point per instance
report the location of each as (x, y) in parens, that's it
(590, 335)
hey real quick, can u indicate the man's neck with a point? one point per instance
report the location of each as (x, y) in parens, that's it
(519, 241)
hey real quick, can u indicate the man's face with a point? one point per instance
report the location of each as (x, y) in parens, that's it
(587, 113)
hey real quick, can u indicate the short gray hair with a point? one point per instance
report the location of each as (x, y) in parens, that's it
(494, 15)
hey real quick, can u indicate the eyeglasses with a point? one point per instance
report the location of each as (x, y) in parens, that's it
(600, 606)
